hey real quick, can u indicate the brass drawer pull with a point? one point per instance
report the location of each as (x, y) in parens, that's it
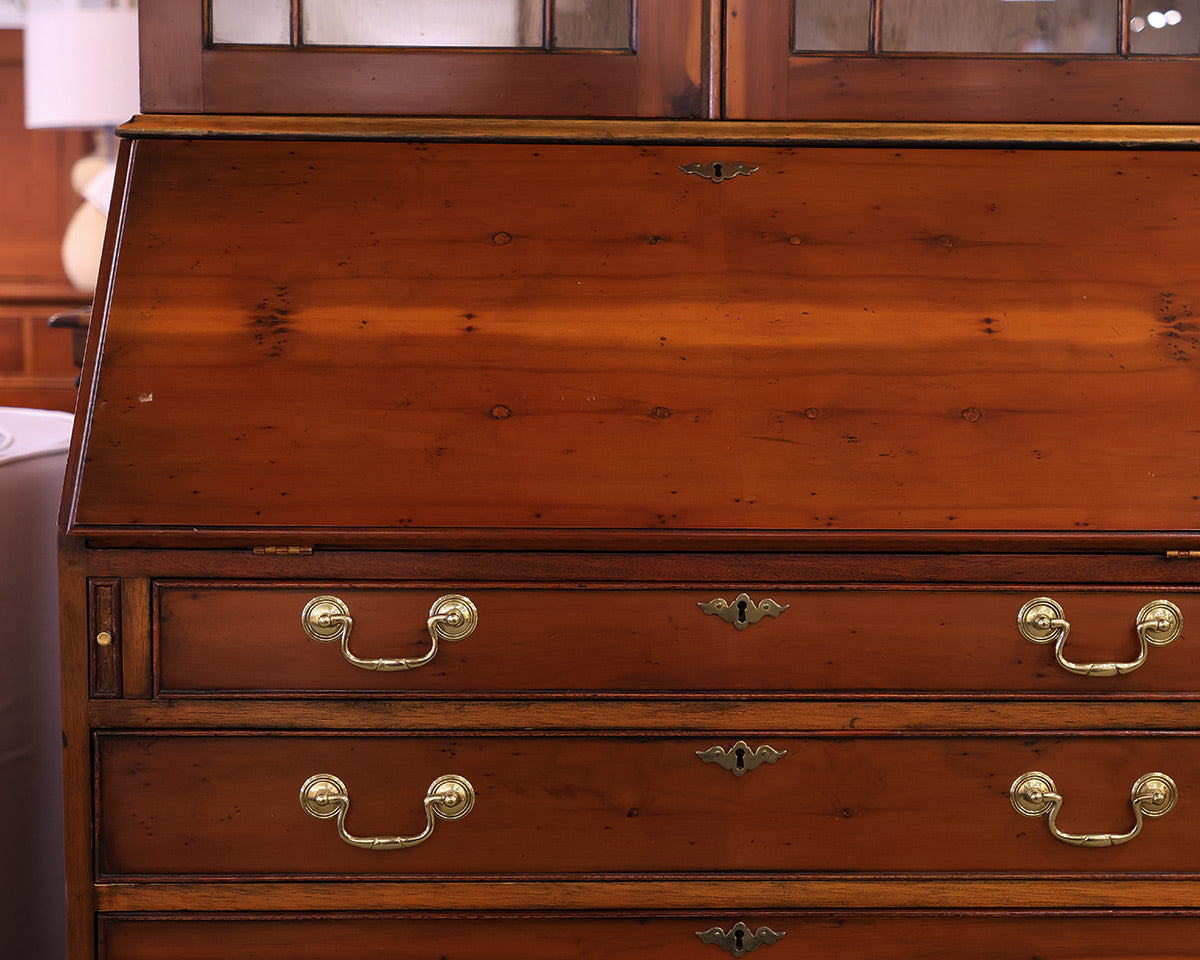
(450, 797)
(1041, 620)
(739, 758)
(743, 611)
(740, 939)
(1034, 794)
(451, 617)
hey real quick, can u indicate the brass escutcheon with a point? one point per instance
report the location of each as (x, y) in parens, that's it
(743, 611)
(739, 759)
(740, 939)
(717, 171)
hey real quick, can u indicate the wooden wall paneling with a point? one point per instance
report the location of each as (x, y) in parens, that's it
(36, 201)
(35, 190)
(37, 366)
(13, 344)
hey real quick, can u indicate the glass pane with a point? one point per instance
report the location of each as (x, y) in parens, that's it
(265, 21)
(832, 25)
(45, 6)
(1171, 27)
(422, 23)
(593, 24)
(1000, 26)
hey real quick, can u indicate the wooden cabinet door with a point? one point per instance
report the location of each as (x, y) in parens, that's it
(766, 79)
(674, 66)
(663, 73)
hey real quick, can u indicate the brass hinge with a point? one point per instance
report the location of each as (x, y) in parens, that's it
(283, 551)
(1183, 554)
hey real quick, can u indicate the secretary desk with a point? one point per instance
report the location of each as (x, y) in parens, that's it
(639, 515)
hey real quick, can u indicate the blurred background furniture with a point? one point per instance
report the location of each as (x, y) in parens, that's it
(33, 451)
(66, 79)
(36, 368)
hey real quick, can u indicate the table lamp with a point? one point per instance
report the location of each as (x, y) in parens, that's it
(81, 72)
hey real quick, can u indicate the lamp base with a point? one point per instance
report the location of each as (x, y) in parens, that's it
(83, 240)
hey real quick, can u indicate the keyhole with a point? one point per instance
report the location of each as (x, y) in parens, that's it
(741, 611)
(738, 939)
(717, 175)
(740, 754)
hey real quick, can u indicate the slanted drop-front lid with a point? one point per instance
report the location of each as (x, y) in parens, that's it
(365, 341)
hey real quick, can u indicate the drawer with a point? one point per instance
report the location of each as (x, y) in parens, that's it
(1079, 936)
(249, 637)
(204, 804)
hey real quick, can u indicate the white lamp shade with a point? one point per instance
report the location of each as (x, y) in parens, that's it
(81, 67)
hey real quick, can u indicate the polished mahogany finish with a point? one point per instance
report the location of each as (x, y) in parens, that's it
(897, 382)
(767, 80)
(669, 73)
(468, 334)
(694, 58)
(245, 638)
(1079, 935)
(226, 805)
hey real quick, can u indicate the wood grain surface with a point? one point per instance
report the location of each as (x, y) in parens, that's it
(196, 805)
(766, 79)
(988, 936)
(667, 74)
(467, 336)
(588, 638)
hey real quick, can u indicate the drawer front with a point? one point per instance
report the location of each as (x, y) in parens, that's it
(214, 637)
(780, 936)
(230, 805)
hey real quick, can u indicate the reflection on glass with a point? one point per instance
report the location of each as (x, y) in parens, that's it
(1164, 27)
(264, 21)
(422, 23)
(832, 25)
(593, 24)
(1000, 26)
